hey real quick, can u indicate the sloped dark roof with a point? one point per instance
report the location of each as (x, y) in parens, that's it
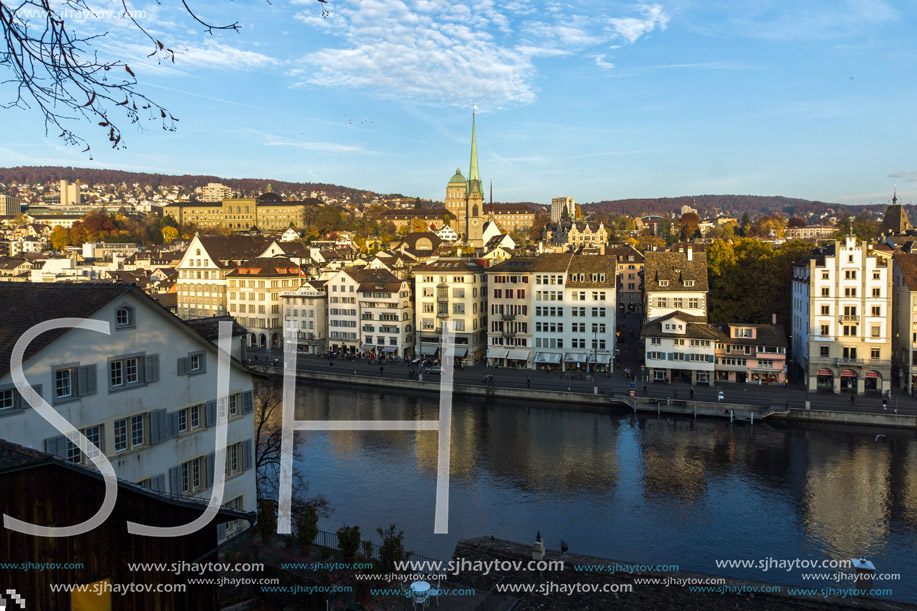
(895, 221)
(266, 266)
(450, 264)
(14, 457)
(209, 328)
(515, 265)
(675, 267)
(31, 303)
(233, 247)
(907, 263)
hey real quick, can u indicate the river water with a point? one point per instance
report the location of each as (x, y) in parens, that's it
(664, 490)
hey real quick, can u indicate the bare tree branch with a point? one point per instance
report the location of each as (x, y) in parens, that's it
(61, 74)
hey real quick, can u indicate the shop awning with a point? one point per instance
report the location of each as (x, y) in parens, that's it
(824, 372)
(518, 355)
(497, 353)
(603, 359)
(461, 353)
(390, 349)
(429, 350)
(548, 357)
(575, 357)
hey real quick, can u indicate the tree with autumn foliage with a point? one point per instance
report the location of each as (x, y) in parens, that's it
(796, 222)
(689, 225)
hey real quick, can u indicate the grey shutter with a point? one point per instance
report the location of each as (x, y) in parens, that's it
(210, 461)
(173, 425)
(248, 402)
(19, 402)
(203, 368)
(210, 413)
(151, 364)
(159, 431)
(158, 483)
(709, 358)
(184, 366)
(175, 480)
(56, 446)
(246, 454)
(221, 530)
(86, 380)
(671, 356)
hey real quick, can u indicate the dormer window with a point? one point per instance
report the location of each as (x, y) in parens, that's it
(124, 317)
(689, 283)
(663, 283)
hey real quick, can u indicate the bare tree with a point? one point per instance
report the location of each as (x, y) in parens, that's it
(60, 73)
(269, 434)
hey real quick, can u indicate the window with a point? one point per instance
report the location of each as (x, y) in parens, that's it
(63, 383)
(825, 291)
(825, 310)
(234, 404)
(850, 274)
(137, 431)
(193, 364)
(850, 330)
(874, 353)
(876, 311)
(195, 412)
(824, 331)
(121, 435)
(876, 292)
(93, 434)
(128, 372)
(877, 275)
(850, 291)
(823, 351)
(124, 317)
(182, 420)
(824, 275)
(7, 399)
(876, 331)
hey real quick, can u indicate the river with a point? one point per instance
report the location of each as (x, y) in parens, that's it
(666, 490)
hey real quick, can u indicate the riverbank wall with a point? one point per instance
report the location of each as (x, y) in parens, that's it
(591, 402)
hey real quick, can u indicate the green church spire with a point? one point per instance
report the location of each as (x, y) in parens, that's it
(474, 179)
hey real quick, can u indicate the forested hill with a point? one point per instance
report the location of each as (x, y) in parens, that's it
(246, 186)
(728, 205)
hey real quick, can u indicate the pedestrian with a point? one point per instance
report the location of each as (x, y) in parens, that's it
(411, 373)
(644, 390)
(674, 394)
(330, 363)
(853, 399)
(692, 393)
(381, 369)
(528, 382)
(885, 404)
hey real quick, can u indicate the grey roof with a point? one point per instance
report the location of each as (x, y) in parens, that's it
(209, 328)
(40, 302)
(675, 267)
(695, 327)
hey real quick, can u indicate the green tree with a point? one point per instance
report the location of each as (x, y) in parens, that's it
(417, 203)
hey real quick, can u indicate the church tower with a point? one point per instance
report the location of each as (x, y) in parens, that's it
(474, 197)
(455, 201)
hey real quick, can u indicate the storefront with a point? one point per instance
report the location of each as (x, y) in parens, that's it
(765, 376)
(496, 356)
(548, 361)
(575, 361)
(825, 380)
(602, 362)
(873, 381)
(518, 359)
(848, 381)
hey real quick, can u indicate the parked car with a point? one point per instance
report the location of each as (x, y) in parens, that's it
(433, 371)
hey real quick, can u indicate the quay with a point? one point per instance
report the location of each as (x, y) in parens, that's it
(593, 397)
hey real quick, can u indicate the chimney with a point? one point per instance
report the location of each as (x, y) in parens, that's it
(774, 318)
(690, 253)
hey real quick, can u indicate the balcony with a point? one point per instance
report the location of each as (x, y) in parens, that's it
(848, 362)
(850, 318)
(443, 315)
(509, 317)
(509, 332)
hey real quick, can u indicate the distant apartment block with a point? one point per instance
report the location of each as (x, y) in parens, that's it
(10, 205)
(810, 232)
(561, 204)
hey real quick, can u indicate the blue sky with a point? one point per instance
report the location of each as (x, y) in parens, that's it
(589, 99)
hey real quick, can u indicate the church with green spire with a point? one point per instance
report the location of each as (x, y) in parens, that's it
(465, 198)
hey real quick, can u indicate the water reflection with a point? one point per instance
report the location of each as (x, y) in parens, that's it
(637, 489)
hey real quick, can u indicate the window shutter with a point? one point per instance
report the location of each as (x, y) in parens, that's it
(86, 380)
(203, 368)
(671, 356)
(173, 425)
(184, 366)
(210, 413)
(56, 446)
(158, 483)
(151, 364)
(246, 454)
(709, 358)
(175, 480)
(210, 461)
(158, 426)
(221, 530)
(248, 402)
(20, 403)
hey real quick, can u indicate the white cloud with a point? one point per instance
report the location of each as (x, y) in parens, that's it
(631, 29)
(218, 55)
(457, 52)
(601, 63)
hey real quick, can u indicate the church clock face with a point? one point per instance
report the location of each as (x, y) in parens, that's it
(474, 222)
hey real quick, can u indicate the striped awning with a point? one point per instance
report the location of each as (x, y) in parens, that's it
(428, 350)
(518, 355)
(575, 357)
